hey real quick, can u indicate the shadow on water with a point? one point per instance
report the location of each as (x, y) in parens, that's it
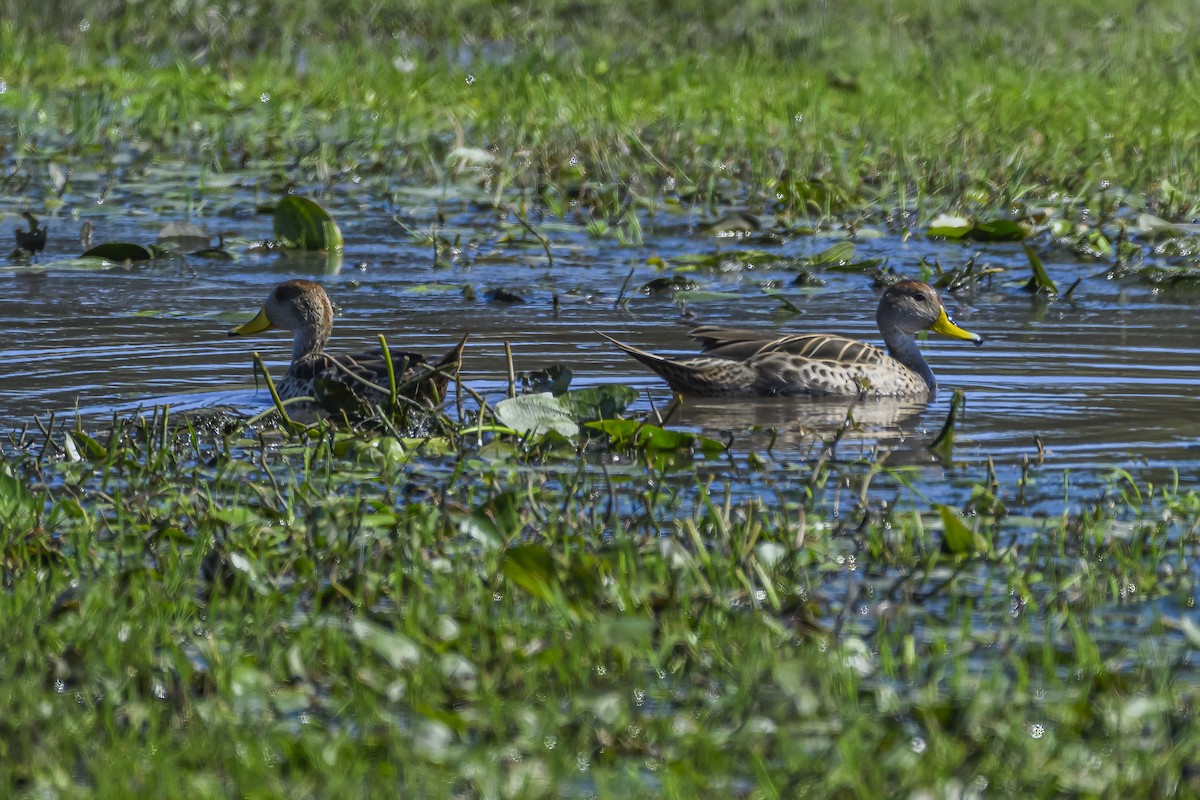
(1109, 379)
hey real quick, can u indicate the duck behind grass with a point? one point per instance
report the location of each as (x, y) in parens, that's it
(750, 363)
(342, 383)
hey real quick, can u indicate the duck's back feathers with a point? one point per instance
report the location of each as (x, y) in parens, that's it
(340, 379)
(742, 344)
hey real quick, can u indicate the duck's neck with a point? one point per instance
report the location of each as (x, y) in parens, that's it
(306, 344)
(903, 347)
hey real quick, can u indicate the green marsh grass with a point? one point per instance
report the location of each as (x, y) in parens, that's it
(213, 613)
(909, 108)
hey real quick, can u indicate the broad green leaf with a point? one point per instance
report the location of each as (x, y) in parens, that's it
(722, 261)
(944, 443)
(999, 230)
(632, 433)
(840, 253)
(497, 519)
(949, 226)
(303, 224)
(435, 288)
(537, 414)
(88, 446)
(1156, 227)
(531, 567)
(996, 230)
(600, 402)
(957, 537)
(866, 265)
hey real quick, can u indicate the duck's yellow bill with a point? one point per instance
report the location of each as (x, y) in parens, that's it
(947, 328)
(262, 323)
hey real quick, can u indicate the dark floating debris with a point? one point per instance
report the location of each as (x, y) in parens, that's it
(32, 241)
(501, 295)
(121, 252)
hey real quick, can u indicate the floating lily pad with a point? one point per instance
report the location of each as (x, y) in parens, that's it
(1156, 228)
(727, 261)
(121, 252)
(632, 433)
(434, 288)
(537, 414)
(840, 253)
(866, 265)
(947, 226)
(213, 253)
(600, 402)
(703, 296)
(303, 224)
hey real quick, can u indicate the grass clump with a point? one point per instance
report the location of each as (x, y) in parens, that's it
(912, 108)
(211, 614)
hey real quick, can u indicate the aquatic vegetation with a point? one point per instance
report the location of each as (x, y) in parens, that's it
(302, 223)
(543, 589)
(451, 614)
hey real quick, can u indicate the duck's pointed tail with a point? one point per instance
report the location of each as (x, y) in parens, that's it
(706, 377)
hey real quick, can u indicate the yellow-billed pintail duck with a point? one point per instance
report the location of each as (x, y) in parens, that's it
(303, 308)
(763, 363)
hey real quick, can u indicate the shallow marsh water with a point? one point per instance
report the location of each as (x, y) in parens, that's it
(1109, 379)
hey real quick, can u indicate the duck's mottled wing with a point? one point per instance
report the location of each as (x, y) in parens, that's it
(830, 348)
(356, 376)
(740, 344)
(736, 344)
